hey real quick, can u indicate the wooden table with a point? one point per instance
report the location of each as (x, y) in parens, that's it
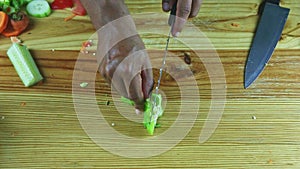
(259, 128)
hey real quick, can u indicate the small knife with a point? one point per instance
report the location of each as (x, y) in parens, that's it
(171, 21)
(269, 29)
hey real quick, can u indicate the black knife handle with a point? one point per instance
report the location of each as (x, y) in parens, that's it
(172, 16)
(262, 5)
(273, 1)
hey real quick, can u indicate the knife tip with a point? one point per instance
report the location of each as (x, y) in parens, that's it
(247, 81)
(246, 85)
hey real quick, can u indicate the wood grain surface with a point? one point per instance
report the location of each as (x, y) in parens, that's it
(228, 25)
(39, 126)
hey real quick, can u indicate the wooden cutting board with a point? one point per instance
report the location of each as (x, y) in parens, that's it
(40, 128)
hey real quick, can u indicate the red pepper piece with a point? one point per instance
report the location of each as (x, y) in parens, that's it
(61, 4)
(78, 8)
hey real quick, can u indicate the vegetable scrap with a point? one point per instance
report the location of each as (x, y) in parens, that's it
(84, 84)
(69, 17)
(15, 39)
(23, 104)
(85, 45)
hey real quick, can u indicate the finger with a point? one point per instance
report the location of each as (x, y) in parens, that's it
(165, 5)
(130, 72)
(103, 72)
(136, 93)
(182, 13)
(119, 85)
(195, 8)
(147, 82)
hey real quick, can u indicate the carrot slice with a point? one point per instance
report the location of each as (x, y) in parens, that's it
(3, 21)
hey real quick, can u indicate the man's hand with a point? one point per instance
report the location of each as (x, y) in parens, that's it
(126, 64)
(127, 67)
(185, 9)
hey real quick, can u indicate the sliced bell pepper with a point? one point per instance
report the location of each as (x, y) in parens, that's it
(78, 8)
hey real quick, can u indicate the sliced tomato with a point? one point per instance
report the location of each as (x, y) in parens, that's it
(15, 28)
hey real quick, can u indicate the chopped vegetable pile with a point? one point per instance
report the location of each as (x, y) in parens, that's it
(13, 13)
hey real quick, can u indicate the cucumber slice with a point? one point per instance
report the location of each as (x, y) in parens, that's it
(38, 8)
(24, 64)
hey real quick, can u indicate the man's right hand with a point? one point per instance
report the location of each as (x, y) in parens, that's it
(185, 9)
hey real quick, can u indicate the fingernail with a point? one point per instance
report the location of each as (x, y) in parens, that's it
(166, 6)
(138, 112)
(176, 34)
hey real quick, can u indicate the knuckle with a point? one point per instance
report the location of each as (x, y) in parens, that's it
(184, 11)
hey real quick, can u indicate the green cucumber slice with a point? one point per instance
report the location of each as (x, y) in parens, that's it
(24, 64)
(38, 8)
(152, 111)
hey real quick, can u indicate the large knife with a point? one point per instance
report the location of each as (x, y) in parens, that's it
(268, 32)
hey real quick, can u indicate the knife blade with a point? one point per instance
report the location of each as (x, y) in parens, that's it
(153, 108)
(272, 20)
(170, 22)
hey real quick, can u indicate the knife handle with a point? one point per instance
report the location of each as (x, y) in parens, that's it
(262, 5)
(172, 16)
(273, 1)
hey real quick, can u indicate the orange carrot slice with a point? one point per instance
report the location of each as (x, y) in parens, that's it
(3, 21)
